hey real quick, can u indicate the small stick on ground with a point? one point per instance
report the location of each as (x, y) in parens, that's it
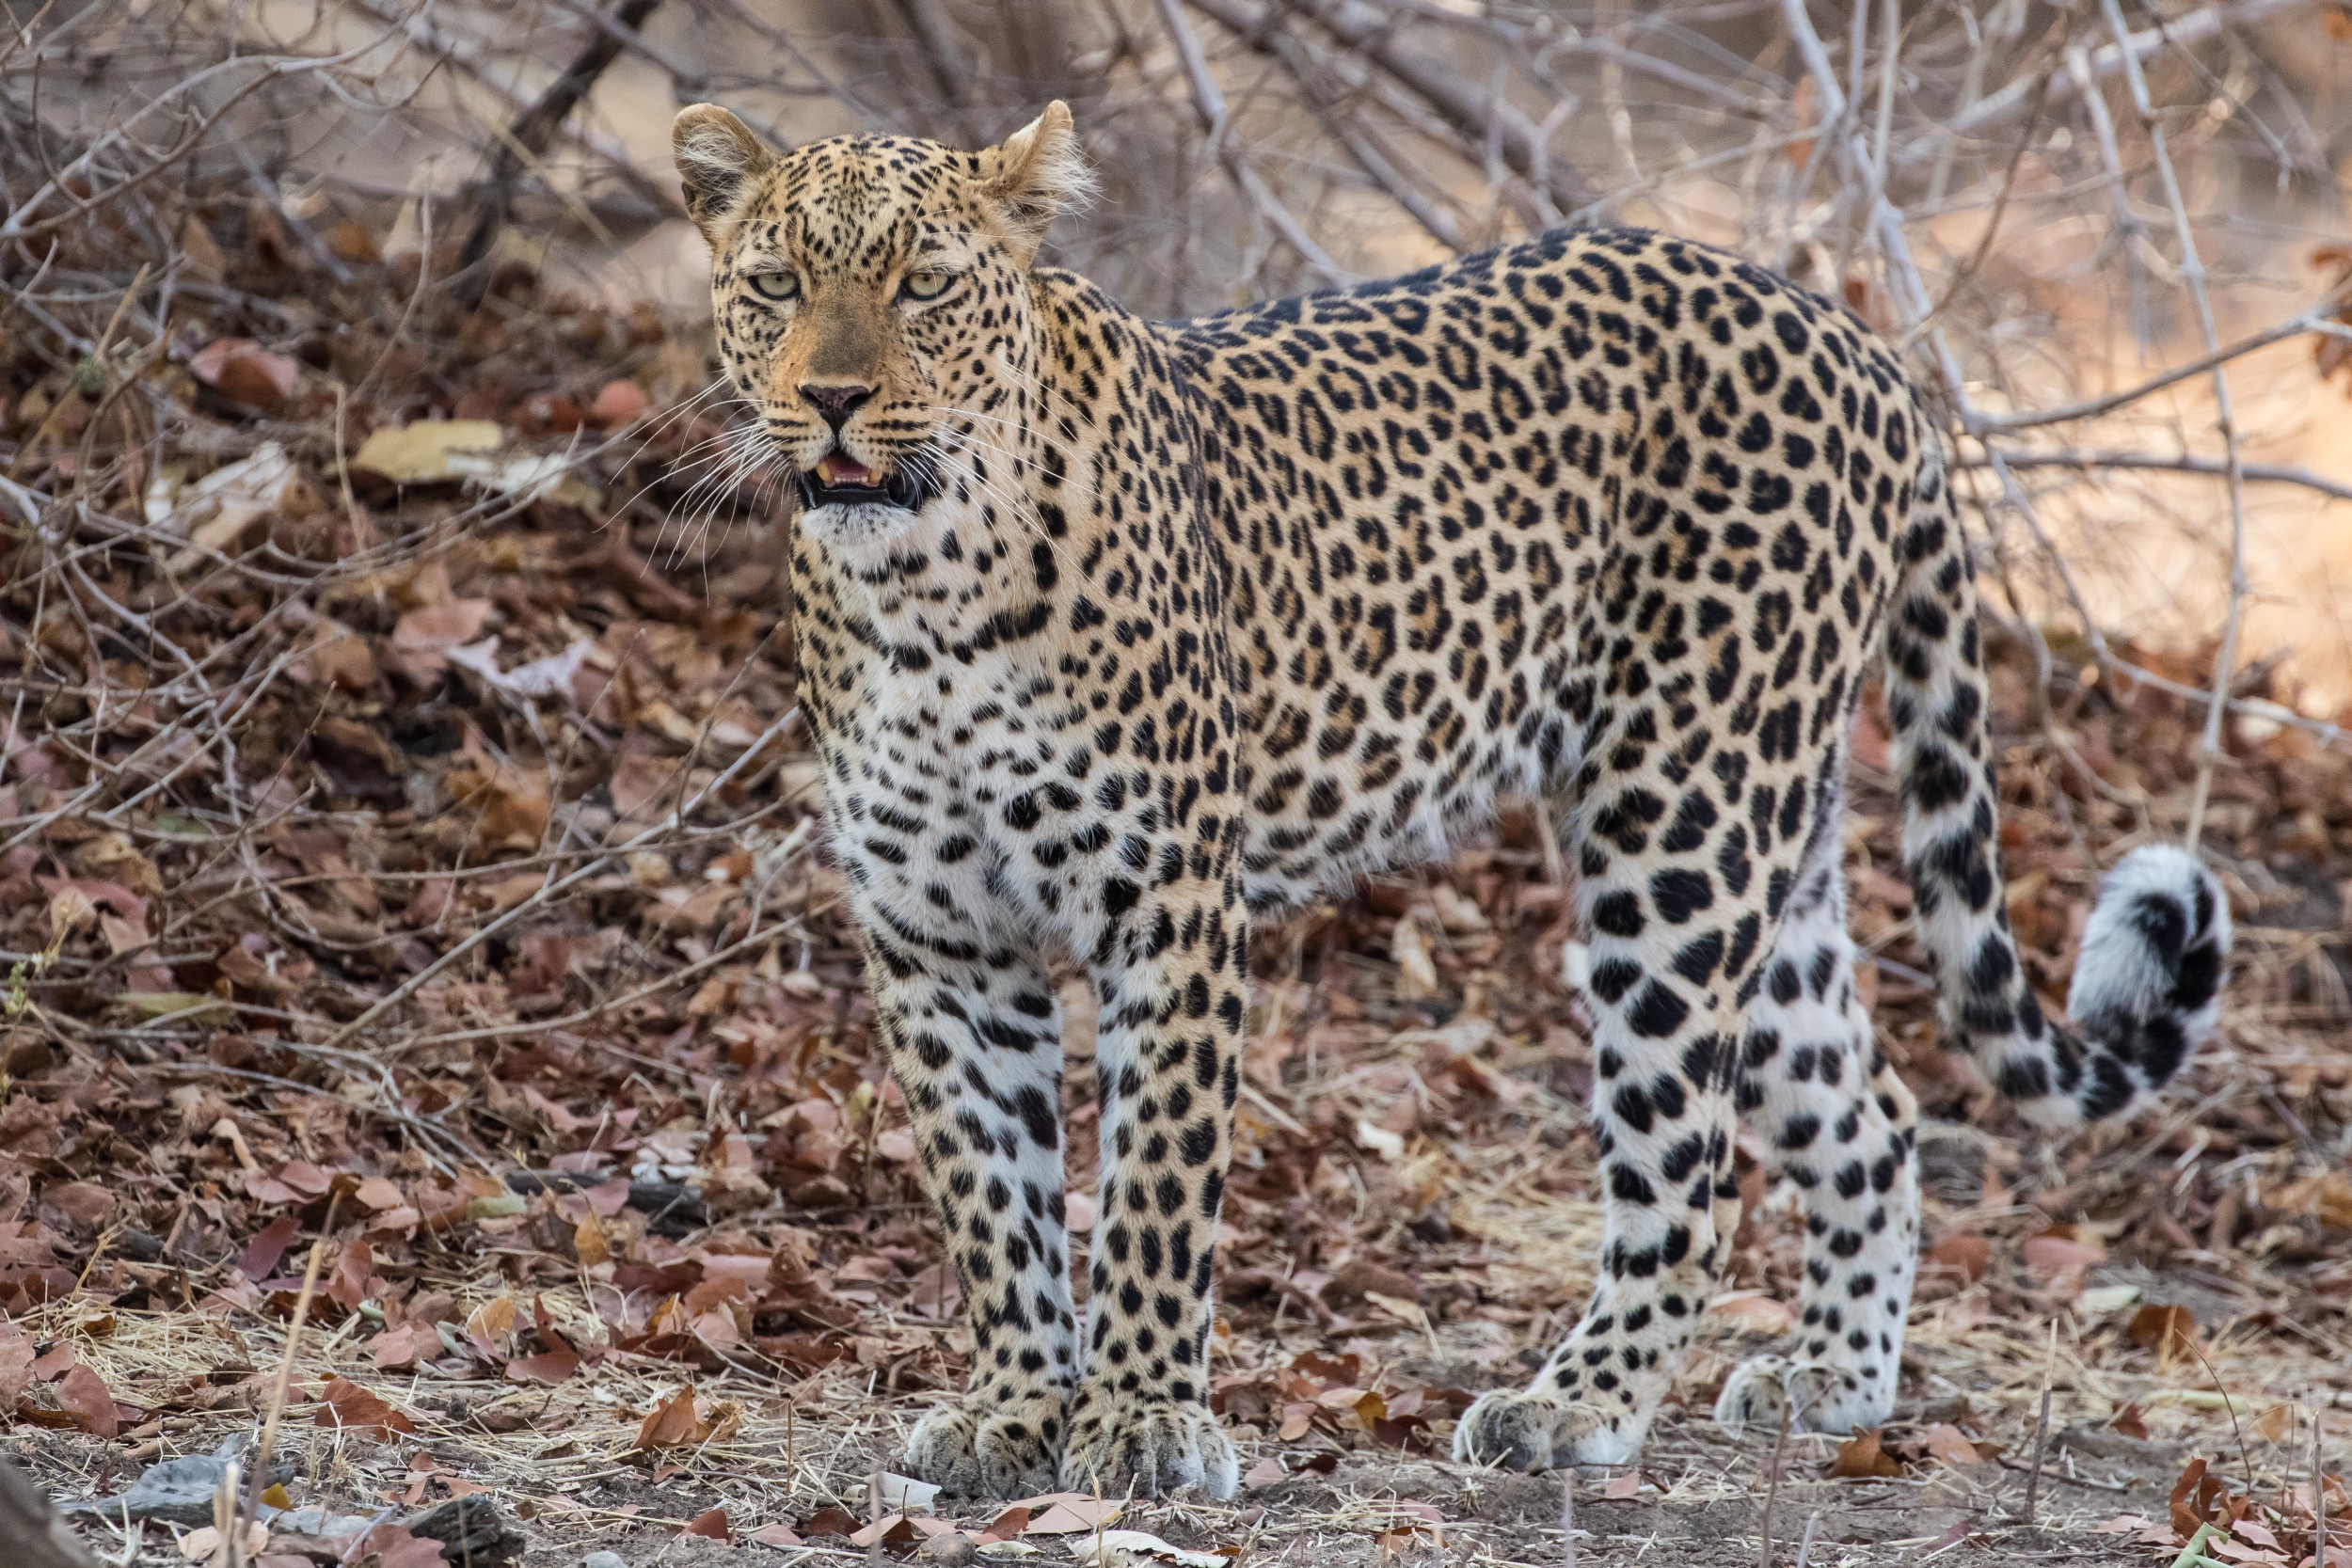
(1804, 1548)
(874, 1506)
(1771, 1485)
(2319, 1492)
(259, 1481)
(1567, 1520)
(2041, 1427)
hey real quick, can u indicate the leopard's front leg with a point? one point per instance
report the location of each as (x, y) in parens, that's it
(974, 1042)
(1171, 978)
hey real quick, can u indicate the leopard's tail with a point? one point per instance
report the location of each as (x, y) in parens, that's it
(2147, 986)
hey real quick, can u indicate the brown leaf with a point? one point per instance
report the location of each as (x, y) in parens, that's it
(507, 808)
(2060, 1251)
(83, 1395)
(379, 1194)
(1949, 1443)
(829, 1521)
(1966, 1257)
(399, 1348)
(355, 1409)
(669, 1425)
(342, 657)
(2170, 1331)
(553, 1367)
(2131, 1421)
(1863, 1458)
(245, 372)
(776, 1535)
(711, 1526)
(355, 1270)
(422, 638)
(261, 1254)
(893, 1531)
(16, 1363)
(617, 403)
(394, 1547)
(588, 1242)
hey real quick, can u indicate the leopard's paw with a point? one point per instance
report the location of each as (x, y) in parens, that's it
(1152, 1446)
(1812, 1396)
(1536, 1431)
(990, 1446)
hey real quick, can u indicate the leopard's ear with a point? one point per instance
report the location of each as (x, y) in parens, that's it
(721, 163)
(1036, 172)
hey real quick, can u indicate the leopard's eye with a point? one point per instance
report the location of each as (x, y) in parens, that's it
(777, 286)
(925, 285)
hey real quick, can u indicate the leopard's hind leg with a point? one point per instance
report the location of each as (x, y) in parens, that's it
(1682, 883)
(1839, 1126)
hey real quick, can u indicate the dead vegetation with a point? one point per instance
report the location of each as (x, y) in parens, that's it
(406, 858)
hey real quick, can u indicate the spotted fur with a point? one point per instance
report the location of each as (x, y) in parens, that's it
(1115, 633)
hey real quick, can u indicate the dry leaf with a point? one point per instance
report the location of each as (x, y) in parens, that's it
(1863, 1458)
(2058, 1252)
(711, 1526)
(1416, 967)
(16, 1363)
(354, 1409)
(402, 1347)
(829, 1521)
(243, 370)
(394, 1547)
(894, 1532)
(355, 1271)
(2170, 1331)
(618, 403)
(261, 1254)
(420, 454)
(588, 1241)
(1949, 1443)
(1968, 1256)
(672, 1423)
(1757, 1314)
(1069, 1512)
(84, 1396)
(553, 1367)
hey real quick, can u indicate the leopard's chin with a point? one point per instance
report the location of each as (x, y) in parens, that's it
(859, 528)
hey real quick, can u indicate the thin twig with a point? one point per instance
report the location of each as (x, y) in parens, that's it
(1208, 103)
(2042, 1429)
(528, 138)
(2192, 269)
(1772, 1484)
(2187, 463)
(259, 1482)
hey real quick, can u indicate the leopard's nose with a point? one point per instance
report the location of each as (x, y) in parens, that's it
(834, 402)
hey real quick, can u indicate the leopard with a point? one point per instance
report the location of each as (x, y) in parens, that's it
(1115, 635)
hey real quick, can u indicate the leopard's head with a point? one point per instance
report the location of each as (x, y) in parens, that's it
(872, 303)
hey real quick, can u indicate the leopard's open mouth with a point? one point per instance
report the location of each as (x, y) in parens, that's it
(840, 479)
